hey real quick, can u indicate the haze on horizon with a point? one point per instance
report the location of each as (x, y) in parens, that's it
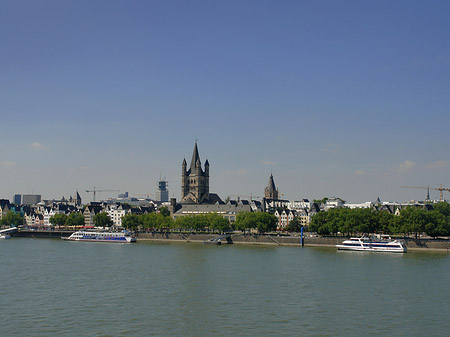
(347, 99)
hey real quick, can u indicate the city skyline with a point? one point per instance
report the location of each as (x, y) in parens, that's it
(344, 100)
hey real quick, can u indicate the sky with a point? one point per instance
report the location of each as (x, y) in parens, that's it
(344, 99)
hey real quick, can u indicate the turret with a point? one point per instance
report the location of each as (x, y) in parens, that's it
(207, 168)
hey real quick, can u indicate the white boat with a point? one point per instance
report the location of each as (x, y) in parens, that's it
(5, 236)
(116, 237)
(373, 245)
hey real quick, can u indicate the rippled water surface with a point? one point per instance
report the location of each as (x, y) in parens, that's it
(51, 287)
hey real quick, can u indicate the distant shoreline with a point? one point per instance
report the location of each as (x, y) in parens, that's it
(442, 245)
(435, 245)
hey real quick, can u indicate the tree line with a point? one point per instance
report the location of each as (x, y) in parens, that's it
(245, 221)
(411, 221)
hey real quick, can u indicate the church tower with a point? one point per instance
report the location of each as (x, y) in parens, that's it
(195, 181)
(270, 192)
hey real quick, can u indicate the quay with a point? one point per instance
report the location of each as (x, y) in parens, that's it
(442, 245)
(27, 233)
(423, 244)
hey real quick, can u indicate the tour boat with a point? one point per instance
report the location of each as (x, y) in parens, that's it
(372, 245)
(116, 237)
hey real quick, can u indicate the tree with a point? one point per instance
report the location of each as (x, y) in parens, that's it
(58, 219)
(414, 220)
(244, 221)
(218, 222)
(131, 221)
(12, 219)
(295, 225)
(164, 211)
(318, 223)
(102, 219)
(75, 219)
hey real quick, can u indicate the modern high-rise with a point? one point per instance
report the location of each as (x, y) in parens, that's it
(162, 194)
(31, 199)
(17, 199)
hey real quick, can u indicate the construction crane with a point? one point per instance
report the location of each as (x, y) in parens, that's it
(440, 189)
(95, 191)
(245, 196)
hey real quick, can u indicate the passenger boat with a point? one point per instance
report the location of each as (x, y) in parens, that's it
(116, 237)
(373, 245)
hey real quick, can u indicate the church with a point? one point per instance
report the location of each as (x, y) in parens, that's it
(195, 195)
(195, 182)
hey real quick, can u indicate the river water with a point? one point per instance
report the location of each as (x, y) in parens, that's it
(51, 287)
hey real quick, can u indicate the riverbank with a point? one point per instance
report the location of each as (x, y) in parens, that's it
(442, 245)
(285, 240)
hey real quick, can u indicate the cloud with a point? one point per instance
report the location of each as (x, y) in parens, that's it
(406, 166)
(268, 162)
(38, 146)
(359, 173)
(8, 163)
(332, 148)
(439, 164)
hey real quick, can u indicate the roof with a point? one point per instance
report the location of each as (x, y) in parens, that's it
(271, 187)
(195, 158)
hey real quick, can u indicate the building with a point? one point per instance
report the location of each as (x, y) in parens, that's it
(5, 206)
(162, 194)
(31, 199)
(195, 180)
(195, 195)
(17, 200)
(271, 192)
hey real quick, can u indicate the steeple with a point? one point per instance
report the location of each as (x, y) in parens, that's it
(271, 191)
(195, 158)
(195, 181)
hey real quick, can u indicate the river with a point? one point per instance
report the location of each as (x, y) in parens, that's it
(51, 287)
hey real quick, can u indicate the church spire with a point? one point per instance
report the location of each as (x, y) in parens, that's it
(195, 158)
(271, 191)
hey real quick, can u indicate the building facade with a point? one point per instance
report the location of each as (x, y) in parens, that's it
(162, 194)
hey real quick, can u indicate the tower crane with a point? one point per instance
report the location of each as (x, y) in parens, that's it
(440, 188)
(245, 196)
(95, 191)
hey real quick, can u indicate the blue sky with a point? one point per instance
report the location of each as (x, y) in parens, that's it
(335, 98)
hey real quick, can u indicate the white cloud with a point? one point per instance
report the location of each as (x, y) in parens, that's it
(38, 146)
(359, 173)
(439, 164)
(406, 166)
(332, 148)
(268, 162)
(8, 163)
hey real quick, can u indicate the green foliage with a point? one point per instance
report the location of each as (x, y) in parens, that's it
(412, 220)
(132, 221)
(58, 219)
(156, 221)
(12, 219)
(164, 211)
(294, 225)
(75, 219)
(102, 219)
(320, 201)
(262, 221)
